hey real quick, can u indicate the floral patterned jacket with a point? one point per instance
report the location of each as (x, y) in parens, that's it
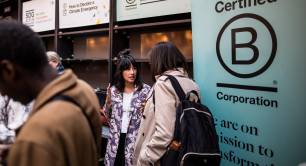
(137, 103)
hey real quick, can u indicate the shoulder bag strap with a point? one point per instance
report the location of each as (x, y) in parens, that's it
(177, 87)
(182, 96)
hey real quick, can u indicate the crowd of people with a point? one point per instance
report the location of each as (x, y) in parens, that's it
(62, 124)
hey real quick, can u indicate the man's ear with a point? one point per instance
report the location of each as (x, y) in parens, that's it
(8, 70)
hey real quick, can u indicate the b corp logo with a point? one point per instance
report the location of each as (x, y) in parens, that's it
(252, 45)
(130, 1)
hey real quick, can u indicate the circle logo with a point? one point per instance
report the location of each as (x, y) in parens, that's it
(130, 1)
(252, 47)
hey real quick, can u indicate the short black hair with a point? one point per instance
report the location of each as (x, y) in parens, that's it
(125, 60)
(22, 46)
(166, 56)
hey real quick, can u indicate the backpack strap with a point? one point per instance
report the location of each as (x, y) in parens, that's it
(177, 87)
(182, 96)
(194, 92)
(71, 100)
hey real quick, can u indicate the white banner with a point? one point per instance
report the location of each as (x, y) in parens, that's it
(39, 15)
(135, 9)
(77, 13)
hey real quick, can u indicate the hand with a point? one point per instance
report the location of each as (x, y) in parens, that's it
(104, 118)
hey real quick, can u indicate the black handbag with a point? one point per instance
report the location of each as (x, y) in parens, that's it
(170, 158)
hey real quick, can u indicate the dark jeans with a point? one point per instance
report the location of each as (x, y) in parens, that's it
(120, 157)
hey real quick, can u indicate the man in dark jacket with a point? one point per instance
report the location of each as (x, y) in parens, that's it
(58, 132)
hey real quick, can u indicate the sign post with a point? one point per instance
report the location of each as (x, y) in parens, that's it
(249, 60)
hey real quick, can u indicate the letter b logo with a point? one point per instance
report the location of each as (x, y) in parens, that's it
(243, 50)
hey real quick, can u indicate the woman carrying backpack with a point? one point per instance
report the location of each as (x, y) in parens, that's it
(158, 120)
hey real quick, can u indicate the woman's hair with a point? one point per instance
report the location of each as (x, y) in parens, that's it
(166, 56)
(125, 60)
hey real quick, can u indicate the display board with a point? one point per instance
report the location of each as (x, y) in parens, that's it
(136, 9)
(78, 13)
(39, 15)
(249, 61)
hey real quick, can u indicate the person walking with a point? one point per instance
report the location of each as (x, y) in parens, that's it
(64, 125)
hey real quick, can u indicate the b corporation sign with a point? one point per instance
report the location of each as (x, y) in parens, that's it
(244, 56)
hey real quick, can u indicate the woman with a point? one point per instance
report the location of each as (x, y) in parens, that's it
(55, 61)
(126, 99)
(158, 120)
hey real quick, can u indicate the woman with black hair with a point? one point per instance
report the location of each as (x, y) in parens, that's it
(125, 99)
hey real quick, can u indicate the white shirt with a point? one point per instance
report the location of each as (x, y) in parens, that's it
(127, 99)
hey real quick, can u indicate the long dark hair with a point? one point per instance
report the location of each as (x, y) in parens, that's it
(125, 60)
(166, 56)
